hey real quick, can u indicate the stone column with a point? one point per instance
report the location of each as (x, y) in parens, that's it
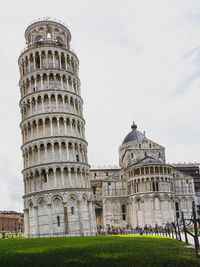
(65, 126)
(40, 175)
(55, 178)
(41, 79)
(71, 131)
(34, 62)
(36, 106)
(80, 217)
(67, 150)
(82, 183)
(65, 62)
(54, 61)
(56, 102)
(40, 60)
(39, 155)
(59, 56)
(35, 80)
(58, 126)
(46, 53)
(48, 82)
(66, 218)
(76, 130)
(34, 183)
(33, 157)
(73, 154)
(42, 103)
(51, 126)
(47, 175)
(76, 178)
(32, 135)
(26, 223)
(36, 221)
(28, 159)
(92, 219)
(53, 156)
(61, 82)
(45, 152)
(29, 65)
(62, 177)
(60, 152)
(133, 214)
(50, 219)
(104, 213)
(31, 108)
(67, 84)
(25, 186)
(70, 178)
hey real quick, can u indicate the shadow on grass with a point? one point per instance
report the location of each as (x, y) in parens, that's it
(96, 251)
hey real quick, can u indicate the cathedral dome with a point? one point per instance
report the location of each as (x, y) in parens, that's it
(134, 135)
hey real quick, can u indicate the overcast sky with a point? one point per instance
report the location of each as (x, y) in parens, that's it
(139, 60)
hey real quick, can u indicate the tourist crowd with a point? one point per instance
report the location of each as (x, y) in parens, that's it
(146, 229)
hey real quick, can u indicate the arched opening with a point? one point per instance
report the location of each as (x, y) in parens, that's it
(44, 176)
(37, 60)
(58, 221)
(72, 210)
(123, 212)
(177, 210)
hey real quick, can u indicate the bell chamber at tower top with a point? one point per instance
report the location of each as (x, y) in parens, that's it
(47, 32)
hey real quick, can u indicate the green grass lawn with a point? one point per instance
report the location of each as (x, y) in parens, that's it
(96, 251)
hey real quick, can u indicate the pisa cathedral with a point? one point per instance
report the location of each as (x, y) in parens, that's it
(144, 189)
(62, 195)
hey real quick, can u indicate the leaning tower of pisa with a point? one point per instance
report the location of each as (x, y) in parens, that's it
(57, 194)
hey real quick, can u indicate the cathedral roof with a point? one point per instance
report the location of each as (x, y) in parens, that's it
(148, 161)
(134, 135)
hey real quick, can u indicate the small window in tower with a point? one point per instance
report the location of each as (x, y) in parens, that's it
(94, 190)
(159, 154)
(109, 183)
(58, 220)
(106, 173)
(132, 155)
(72, 210)
(186, 181)
(149, 145)
(95, 174)
(139, 145)
(121, 177)
(77, 157)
